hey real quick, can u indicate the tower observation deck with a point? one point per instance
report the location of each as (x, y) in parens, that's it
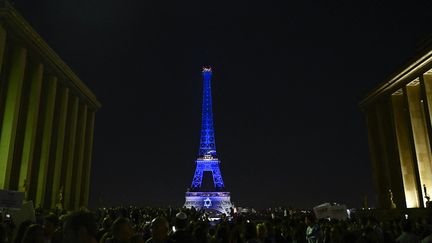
(217, 199)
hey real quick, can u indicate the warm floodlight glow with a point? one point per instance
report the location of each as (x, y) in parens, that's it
(398, 92)
(415, 82)
(404, 147)
(401, 76)
(411, 200)
(419, 132)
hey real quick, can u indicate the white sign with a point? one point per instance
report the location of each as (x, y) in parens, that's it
(328, 211)
(322, 211)
(338, 212)
(11, 199)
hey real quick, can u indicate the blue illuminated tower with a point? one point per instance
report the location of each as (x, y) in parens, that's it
(217, 199)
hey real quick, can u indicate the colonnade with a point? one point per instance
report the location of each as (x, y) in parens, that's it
(46, 119)
(398, 116)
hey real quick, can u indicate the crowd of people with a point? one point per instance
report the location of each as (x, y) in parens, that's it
(154, 225)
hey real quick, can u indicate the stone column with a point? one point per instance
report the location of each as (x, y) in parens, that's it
(78, 169)
(407, 162)
(2, 46)
(69, 152)
(426, 90)
(46, 142)
(87, 159)
(31, 125)
(419, 130)
(58, 158)
(389, 153)
(381, 183)
(14, 80)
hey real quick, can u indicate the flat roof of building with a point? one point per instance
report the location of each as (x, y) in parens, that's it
(418, 65)
(20, 27)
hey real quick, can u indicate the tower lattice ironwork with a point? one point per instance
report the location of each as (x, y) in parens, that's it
(207, 142)
(207, 160)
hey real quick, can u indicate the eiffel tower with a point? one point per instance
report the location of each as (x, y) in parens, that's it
(218, 199)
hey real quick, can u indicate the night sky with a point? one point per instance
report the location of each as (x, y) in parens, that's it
(287, 80)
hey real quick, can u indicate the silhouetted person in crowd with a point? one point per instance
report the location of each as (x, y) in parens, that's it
(283, 234)
(137, 238)
(261, 232)
(313, 231)
(335, 234)
(121, 231)
(374, 224)
(49, 226)
(181, 233)
(34, 234)
(200, 233)
(106, 225)
(159, 231)
(387, 230)
(368, 235)
(222, 234)
(250, 234)
(236, 234)
(21, 230)
(298, 232)
(407, 235)
(3, 234)
(80, 227)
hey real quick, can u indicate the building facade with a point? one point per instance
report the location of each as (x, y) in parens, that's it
(398, 116)
(47, 116)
